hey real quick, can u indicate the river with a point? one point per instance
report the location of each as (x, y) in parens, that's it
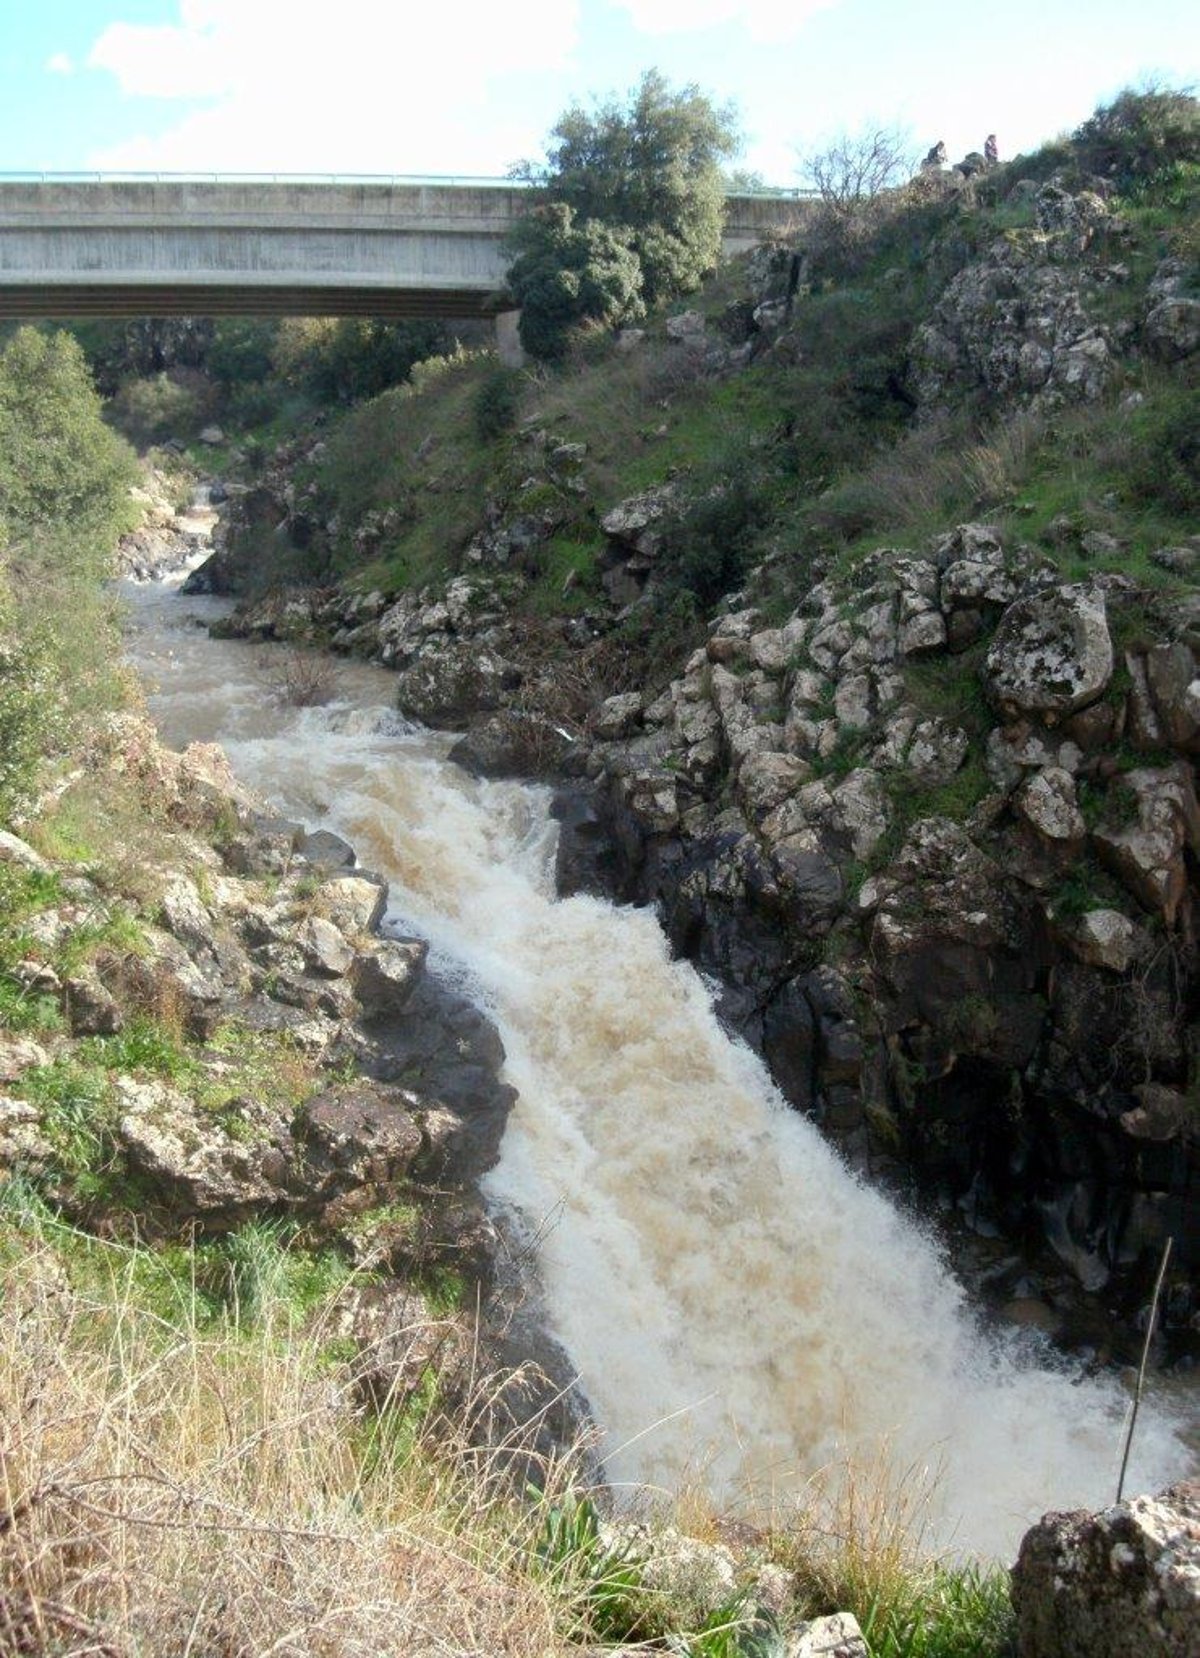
(743, 1314)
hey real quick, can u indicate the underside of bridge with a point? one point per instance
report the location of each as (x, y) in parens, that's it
(26, 301)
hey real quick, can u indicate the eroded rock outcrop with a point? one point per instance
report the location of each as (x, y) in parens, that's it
(907, 831)
(1105, 1585)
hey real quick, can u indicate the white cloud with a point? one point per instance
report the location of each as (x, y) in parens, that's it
(763, 20)
(60, 64)
(360, 86)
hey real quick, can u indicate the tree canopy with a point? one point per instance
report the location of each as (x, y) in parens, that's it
(61, 468)
(644, 177)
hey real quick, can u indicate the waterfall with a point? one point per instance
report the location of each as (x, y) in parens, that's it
(742, 1312)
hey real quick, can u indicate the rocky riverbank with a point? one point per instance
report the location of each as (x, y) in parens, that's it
(929, 815)
(227, 1038)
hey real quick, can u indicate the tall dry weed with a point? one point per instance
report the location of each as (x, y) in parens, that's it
(171, 1490)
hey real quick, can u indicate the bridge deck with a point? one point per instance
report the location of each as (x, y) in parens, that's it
(169, 247)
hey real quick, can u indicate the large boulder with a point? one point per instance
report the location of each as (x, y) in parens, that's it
(1112, 1584)
(1051, 653)
(451, 679)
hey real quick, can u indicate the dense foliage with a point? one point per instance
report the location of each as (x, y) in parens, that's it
(61, 468)
(644, 191)
(566, 274)
(64, 499)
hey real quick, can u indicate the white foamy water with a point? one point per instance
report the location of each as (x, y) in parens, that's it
(741, 1311)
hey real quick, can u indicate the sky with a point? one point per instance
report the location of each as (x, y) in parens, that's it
(395, 87)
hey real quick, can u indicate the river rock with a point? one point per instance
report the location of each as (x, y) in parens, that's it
(451, 679)
(358, 1137)
(384, 977)
(1051, 653)
(1111, 1584)
(835, 1636)
(326, 850)
(188, 1152)
(352, 903)
(1147, 854)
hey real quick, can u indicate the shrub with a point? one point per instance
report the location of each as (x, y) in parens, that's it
(242, 350)
(567, 274)
(651, 172)
(855, 177)
(1141, 135)
(496, 404)
(345, 359)
(60, 466)
(1164, 467)
(167, 405)
(709, 544)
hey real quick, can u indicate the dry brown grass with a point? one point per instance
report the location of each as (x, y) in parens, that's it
(168, 1490)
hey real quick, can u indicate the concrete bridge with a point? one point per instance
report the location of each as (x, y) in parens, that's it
(76, 246)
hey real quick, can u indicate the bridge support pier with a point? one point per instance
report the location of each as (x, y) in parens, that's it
(508, 342)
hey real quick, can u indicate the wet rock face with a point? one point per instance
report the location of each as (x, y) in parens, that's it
(1105, 1585)
(947, 820)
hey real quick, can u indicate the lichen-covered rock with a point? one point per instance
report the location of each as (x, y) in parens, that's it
(325, 949)
(618, 716)
(91, 1008)
(1147, 853)
(1172, 329)
(1107, 1585)
(835, 1636)
(1046, 801)
(188, 1152)
(1013, 323)
(1051, 653)
(451, 679)
(689, 1578)
(1105, 938)
(352, 903)
(634, 523)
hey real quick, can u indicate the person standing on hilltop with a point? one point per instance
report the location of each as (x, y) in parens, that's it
(991, 152)
(936, 156)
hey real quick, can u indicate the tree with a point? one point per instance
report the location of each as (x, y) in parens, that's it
(567, 274)
(850, 175)
(855, 167)
(61, 468)
(643, 177)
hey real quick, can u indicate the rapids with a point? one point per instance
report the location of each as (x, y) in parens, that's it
(742, 1313)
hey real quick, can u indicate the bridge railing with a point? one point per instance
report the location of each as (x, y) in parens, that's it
(467, 181)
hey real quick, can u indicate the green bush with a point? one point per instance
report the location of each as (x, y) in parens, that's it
(60, 466)
(708, 546)
(162, 406)
(651, 172)
(1164, 466)
(569, 274)
(346, 359)
(1140, 136)
(242, 351)
(496, 404)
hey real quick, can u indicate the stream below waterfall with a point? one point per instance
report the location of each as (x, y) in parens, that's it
(741, 1311)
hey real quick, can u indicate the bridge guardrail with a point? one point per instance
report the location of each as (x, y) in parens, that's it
(440, 180)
